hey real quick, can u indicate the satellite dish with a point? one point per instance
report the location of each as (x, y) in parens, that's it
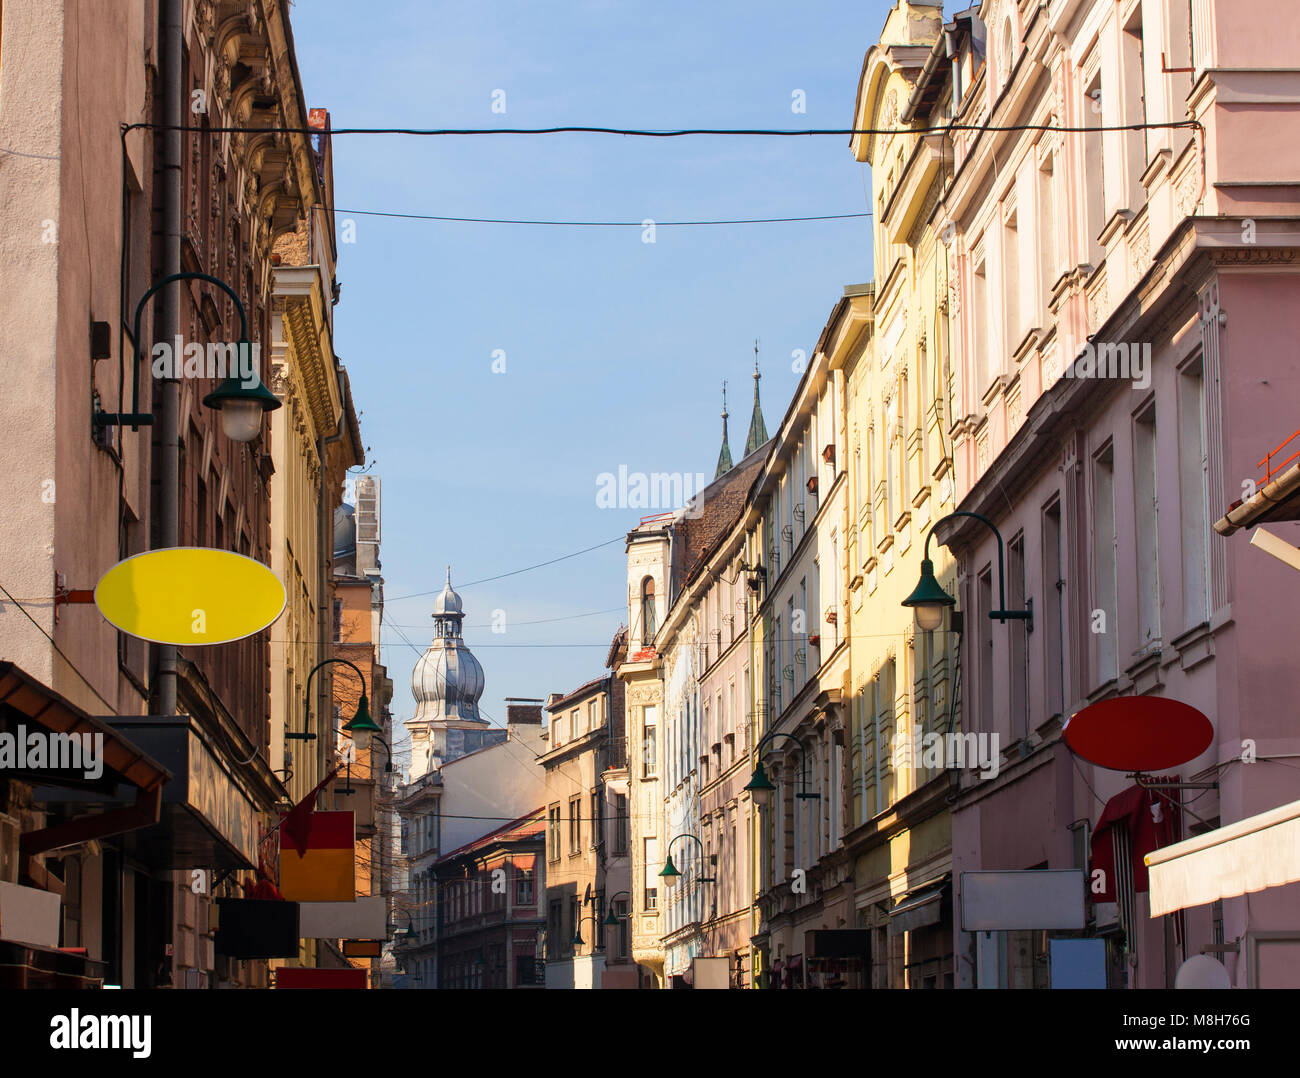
(1202, 971)
(1138, 733)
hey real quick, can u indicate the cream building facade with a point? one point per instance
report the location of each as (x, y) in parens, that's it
(796, 529)
(895, 346)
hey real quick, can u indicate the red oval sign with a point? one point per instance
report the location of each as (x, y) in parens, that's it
(1138, 733)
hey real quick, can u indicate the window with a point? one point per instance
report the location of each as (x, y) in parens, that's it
(556, 733)
(984, 635)
(575, 824)
(801, 675)
(622, 949)
(553, 832)
(1008, 53)
(1054, 604)
(1094, 169)
(1047, 256)
(597, 819)
(650, 870)
(648, 625)
(1193, 485)
(1133, 72)
(575, 924)
(575, 728)
(555, 930)
(884, 731)
(620, 825)
(704, 742)
(1103, 555)
(1011, 282)
(649, 751)
(980, 329)
(524, 894)
(1145, 521)
(1018, 639)
(892, 428)
(338, 619)
(593, 714)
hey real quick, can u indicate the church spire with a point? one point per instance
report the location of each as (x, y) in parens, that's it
(757, 428)
(724, 457)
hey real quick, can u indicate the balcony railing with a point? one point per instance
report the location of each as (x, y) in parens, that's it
(615, 753)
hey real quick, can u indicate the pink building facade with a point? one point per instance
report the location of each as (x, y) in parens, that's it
(1125, 310)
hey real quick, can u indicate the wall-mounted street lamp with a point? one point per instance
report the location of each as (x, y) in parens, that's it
(669, 873)
(241, 406)
(362, 725)
(760, 785)
(578, 941)
(929, 599)
(407, 933)
(612, 919)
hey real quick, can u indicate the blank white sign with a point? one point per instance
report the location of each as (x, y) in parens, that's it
(1011, 901)
(364, 919)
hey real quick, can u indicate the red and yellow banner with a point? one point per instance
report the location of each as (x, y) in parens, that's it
(326, 872)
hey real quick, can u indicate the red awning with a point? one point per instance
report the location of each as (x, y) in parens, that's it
(29, 699)
(1145, 820)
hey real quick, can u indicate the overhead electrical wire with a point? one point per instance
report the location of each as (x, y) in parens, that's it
(593, 224)
(641, 132)
(513, 572)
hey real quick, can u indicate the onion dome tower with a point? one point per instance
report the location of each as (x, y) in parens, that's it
(447, 683)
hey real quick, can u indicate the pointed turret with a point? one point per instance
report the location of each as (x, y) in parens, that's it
(757, 428)
(724, 457)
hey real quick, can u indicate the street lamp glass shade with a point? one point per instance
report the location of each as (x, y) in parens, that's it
(241, 407)
(929, 599)
(362, 725)
(929, 617)
(241, 420)
(760, 787)
(610, 920)
(669, 874)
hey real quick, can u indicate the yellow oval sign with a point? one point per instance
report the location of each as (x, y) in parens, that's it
(190, 595)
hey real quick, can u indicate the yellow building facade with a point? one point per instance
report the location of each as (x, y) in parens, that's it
(899, 389)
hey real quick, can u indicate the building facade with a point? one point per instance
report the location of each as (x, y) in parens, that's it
(367, 786)
(490, 919)
(89, 492)
(692, 710)
(583, 758)
(451, 807)
(893, 342)
(1118, 294)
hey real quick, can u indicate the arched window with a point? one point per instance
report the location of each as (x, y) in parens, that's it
(648, 625)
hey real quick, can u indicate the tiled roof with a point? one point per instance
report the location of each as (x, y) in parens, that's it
(534, 823)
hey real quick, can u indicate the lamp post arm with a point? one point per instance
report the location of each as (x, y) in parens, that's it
(139, 312)
(803, 753)
(1002, 594)
(686, 834)
(326, 662)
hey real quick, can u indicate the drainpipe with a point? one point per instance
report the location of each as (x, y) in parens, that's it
(172, 78)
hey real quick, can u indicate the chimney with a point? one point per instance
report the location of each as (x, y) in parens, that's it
(523, 712)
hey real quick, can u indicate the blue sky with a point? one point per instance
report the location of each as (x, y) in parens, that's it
(615, 349)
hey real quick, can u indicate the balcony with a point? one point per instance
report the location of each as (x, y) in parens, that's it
(614, 754)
